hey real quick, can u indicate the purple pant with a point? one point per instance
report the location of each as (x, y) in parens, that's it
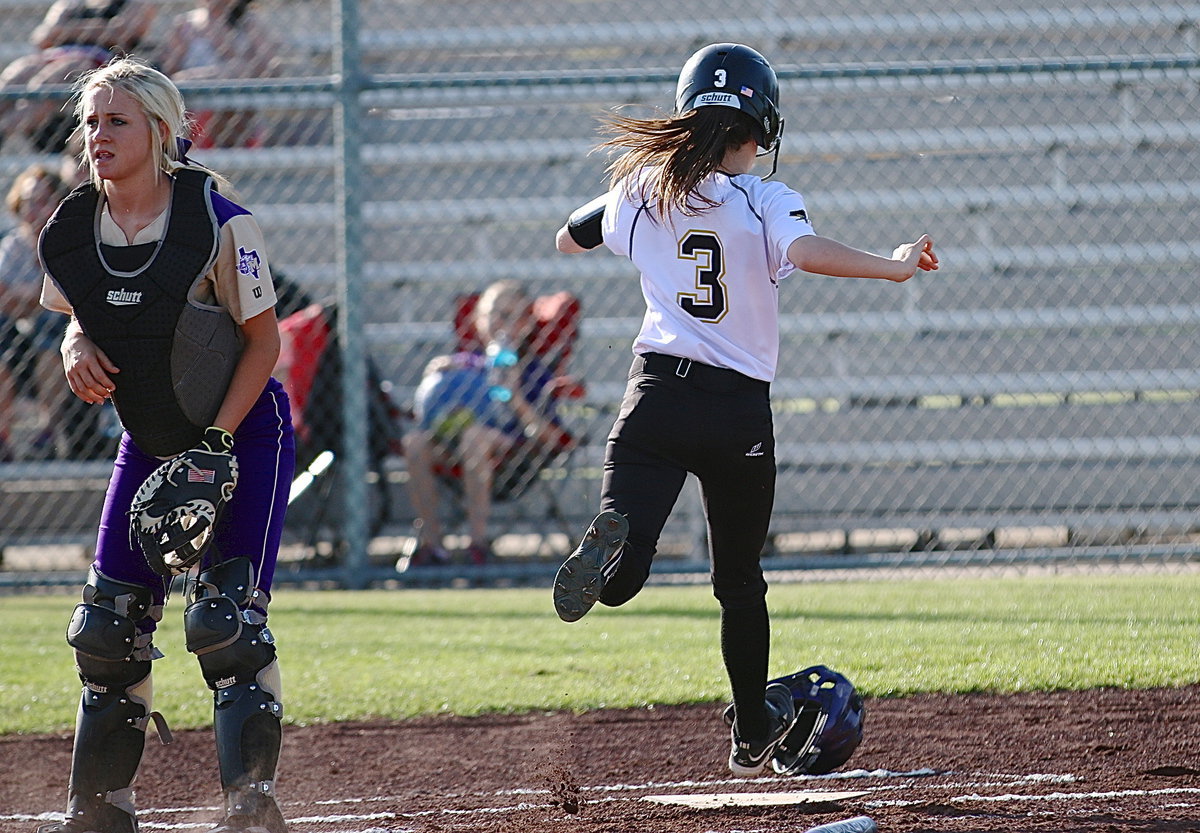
(250, 525)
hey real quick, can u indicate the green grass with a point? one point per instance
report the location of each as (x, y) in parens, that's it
(348, 656)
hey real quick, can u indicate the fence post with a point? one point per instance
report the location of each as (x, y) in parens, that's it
(353, 466)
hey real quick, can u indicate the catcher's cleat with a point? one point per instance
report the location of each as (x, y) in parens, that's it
(748, 758)
(580, 580)
(251, 811)
(99, 819)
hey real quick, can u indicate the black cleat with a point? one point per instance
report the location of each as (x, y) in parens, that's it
(748, 758)
(249, 811)
(580, 579)
(93, 818)
(75, 825)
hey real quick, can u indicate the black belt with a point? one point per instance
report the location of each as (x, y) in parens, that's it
(701, 375)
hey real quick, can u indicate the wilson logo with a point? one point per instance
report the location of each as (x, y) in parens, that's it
(123, 297)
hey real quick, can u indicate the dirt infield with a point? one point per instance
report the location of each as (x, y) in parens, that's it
(1112, 761)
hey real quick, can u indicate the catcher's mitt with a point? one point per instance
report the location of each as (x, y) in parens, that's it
(175, 510)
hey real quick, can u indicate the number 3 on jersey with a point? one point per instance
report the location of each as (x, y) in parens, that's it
(708, 302)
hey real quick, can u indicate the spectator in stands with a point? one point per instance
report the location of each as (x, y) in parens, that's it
(114, 26)
(74, 37)
(29, 334)
(478, 413)
(221, 40)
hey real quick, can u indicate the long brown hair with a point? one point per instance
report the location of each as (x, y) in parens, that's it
(680, 150)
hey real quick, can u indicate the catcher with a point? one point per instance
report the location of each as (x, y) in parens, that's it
(172, 318)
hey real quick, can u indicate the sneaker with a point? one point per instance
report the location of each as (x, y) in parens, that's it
(748, 758)
(581, 578)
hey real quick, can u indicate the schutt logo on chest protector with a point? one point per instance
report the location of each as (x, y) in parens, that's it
(123, 297)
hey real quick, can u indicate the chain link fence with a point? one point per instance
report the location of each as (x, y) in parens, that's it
(1035, 400)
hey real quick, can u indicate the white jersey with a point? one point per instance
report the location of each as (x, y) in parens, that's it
(711, 281)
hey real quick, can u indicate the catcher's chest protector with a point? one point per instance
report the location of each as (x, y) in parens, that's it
(176, 358)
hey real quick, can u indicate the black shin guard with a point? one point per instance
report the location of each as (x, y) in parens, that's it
(246, 720)
(110, 734)
(110, 730)
(237, 656)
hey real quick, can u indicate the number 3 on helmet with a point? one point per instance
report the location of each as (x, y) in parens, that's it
(736, 76)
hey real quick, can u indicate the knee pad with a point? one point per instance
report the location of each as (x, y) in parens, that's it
(112, 658)
(103, 629)
(229, 637)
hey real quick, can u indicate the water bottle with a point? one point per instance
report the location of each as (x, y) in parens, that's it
(500, 357)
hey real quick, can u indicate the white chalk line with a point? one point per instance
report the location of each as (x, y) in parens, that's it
(1027, 797)
(656, 786)
(1060, 796)
(980, 780)
(606, 793)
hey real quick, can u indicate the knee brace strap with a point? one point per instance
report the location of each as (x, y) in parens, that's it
(233, 579)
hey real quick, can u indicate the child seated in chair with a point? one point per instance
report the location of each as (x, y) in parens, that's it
(484, 416)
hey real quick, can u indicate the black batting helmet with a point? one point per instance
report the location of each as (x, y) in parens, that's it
(736, 76)
(829, 723)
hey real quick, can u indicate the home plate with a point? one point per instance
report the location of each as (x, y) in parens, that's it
(712, 801)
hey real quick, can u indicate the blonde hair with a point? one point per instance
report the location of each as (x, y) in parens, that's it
(510, 292)
(491, 295)
(159, 98)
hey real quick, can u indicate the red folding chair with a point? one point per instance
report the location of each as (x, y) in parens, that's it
(309, 368)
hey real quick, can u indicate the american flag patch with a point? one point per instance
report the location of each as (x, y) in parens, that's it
(746, 91)
(201, 476)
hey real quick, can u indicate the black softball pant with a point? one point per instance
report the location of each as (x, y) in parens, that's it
(679, 417)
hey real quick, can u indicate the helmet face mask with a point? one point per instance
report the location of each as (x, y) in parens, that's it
(735, 76)
(829, 723)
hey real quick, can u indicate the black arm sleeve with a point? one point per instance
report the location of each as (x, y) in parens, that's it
(584, 223)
